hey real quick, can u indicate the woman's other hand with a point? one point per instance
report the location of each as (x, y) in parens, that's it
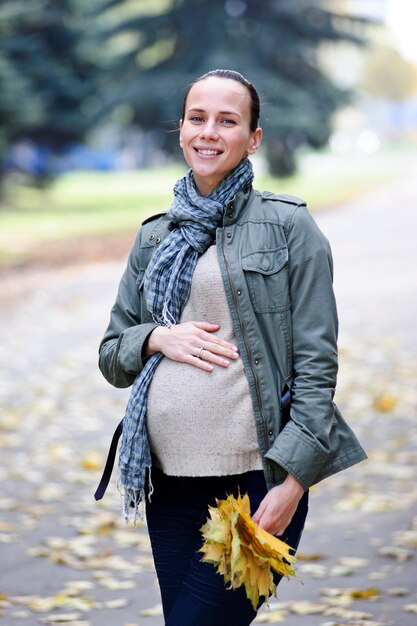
(194, 343)
(276, 510)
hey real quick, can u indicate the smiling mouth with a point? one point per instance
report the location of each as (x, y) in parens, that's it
(208, 152)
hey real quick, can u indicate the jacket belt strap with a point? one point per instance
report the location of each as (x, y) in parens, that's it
(107, 472)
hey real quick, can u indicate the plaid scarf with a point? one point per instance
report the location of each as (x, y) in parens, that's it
(167, 287)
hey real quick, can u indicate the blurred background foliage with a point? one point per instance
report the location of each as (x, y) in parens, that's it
(274, 43)
(98, 85)
(68, 66)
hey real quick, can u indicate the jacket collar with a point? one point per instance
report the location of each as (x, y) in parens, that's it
(237, 206)
(232, 212)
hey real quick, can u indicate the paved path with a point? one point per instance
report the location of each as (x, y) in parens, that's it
(62, 554)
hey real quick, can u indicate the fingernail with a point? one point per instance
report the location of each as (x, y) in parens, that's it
(226, 363)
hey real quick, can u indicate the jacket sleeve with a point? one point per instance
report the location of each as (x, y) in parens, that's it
(303, 445)
(120, 352)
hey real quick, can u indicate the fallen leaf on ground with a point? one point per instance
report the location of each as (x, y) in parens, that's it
(117, 603)
(49, 603)
(333, 592)
(92, 461)
(146, 562)
(116, 585)
(75, 587)
(154, 611)
(394, 552)
(302, 556)
(386, 402)
(359, 622)
(406, 538)
(315, 570)
(353, 562)
(343, 597)
(271, 617)
(398, 591)
(75, 623)
(12, 538)
(342, 570)
(306, 608)
(365, 594)
(4, 602)
(348, 614)
(61, 618)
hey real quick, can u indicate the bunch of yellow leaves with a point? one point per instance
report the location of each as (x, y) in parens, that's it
(242, 551)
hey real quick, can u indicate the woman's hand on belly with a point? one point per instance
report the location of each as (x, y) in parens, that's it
(194, 343)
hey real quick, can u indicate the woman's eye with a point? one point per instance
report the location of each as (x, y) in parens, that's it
(197, 119)
(228, 122)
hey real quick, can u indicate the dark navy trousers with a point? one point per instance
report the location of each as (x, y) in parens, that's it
(192, 592)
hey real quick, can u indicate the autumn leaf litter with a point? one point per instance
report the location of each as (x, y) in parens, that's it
(360, 541)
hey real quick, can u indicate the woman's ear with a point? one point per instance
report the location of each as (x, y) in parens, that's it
(180, 134)
(255, 141)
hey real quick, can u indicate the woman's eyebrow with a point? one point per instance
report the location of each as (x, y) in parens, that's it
(198, 110)
(229, 113)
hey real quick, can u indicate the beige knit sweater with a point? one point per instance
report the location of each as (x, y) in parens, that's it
(202, 423)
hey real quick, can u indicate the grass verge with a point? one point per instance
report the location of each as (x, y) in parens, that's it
(86, 214)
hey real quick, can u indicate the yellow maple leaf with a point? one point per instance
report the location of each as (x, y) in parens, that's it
(244, 553)
(364, 594)
(385, 402)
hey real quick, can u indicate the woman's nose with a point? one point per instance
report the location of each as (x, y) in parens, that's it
(209, 130)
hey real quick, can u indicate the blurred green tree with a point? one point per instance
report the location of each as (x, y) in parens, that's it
(48, 72)
(164, 44)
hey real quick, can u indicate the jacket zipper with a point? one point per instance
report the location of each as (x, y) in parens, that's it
(242, 328)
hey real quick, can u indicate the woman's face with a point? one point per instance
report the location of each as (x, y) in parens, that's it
(215, 133)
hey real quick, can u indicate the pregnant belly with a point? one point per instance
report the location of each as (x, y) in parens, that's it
(190, 409)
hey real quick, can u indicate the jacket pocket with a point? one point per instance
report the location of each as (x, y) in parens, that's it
(266, 273)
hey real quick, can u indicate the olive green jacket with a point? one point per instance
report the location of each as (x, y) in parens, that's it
(277, 272)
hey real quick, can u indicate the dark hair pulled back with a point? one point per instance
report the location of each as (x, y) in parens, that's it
(239, 78)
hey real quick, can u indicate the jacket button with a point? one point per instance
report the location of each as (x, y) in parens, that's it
(230, 214)
(152, 237)
(239, 292)
(256, 361)
(158, 240)
(229, 235)
(270, 433)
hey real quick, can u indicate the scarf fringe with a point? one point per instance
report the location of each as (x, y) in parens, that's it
(133, 500)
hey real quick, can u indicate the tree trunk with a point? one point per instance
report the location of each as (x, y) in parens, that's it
(281, 159)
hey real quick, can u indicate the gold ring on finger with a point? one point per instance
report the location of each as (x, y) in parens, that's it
(200, 353)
